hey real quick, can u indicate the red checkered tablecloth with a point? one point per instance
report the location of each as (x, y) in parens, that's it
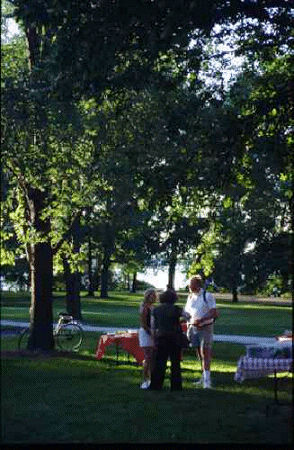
(260, 367)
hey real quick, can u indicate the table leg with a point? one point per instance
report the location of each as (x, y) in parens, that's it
(116, 352)
(276, 402)
(276, 386)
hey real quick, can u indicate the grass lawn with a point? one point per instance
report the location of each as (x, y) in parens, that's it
(79, 399)
(75, 398)
(121, 310)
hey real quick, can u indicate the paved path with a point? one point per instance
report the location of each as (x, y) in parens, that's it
(235, 339)
(274, 301)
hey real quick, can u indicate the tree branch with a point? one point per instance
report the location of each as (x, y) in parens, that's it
(14, 166)
(67, 233)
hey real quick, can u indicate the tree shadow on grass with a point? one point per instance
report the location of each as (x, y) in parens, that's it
(43, 355)
(239, 413)
(229, 412)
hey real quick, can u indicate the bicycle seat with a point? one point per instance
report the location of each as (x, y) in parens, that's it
(65, 317)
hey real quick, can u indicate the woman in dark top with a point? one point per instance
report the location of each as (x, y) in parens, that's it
(166, 332)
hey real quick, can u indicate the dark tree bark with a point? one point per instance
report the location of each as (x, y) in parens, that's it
(127, 280)
(73, 279)
(134, 282)
(73, 287)
(33, 45)
(291, 257)
(105, 273)
(108, 250)
(172, 270)
(234, 288)
(234, 294)
(91, 288)
(41, 275)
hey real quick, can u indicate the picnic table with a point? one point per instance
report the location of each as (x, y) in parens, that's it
(262, 360)
(128, 341)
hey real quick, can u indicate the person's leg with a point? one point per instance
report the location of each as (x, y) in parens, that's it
(157, 374)
(196, 342)
(175, 358)
(199, 353)
(147, 366)
(206, 353)
(206, 356)
(152, 360)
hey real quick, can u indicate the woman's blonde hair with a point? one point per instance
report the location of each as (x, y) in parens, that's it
(148, 294)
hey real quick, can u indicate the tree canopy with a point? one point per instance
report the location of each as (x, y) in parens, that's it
(110, 137)
(88, 45)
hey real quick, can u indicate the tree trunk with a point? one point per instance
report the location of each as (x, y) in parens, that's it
(40, 254)
(105, 271)
(234, 289)
(134, 282)
(127, 280)
(291, 262)
(234, 295)
(41, 275)
(97, 272)
(73, 279)
(172, 271)
(73, 287)
(90, 268)
(108, 247)
(104, 274)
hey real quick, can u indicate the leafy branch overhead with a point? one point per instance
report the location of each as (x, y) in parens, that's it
(81, 43)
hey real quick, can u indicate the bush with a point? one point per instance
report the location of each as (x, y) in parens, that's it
(274, 285)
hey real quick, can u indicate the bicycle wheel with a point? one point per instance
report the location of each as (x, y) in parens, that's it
(69, 337)
(23, 339)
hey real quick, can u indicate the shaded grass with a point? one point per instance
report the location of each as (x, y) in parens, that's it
(54, 399)
(78, 399)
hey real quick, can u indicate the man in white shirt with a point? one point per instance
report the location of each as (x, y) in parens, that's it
(201, 306)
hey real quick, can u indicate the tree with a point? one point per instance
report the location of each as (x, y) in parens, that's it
(89, 39)
(76, 50)
(72, 275)
(268, 111)
(256, 211)
(252, 245)
(41, 179)
(269, 117)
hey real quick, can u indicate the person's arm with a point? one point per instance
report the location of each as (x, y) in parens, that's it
(144, 320)
(185, 315)
(211, 314)
(153, 326)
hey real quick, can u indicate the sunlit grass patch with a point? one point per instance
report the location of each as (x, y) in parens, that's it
(122, 310)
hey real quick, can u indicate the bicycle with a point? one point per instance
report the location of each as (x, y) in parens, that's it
(67, 333)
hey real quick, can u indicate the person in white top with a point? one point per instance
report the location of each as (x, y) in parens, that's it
(201, 306)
